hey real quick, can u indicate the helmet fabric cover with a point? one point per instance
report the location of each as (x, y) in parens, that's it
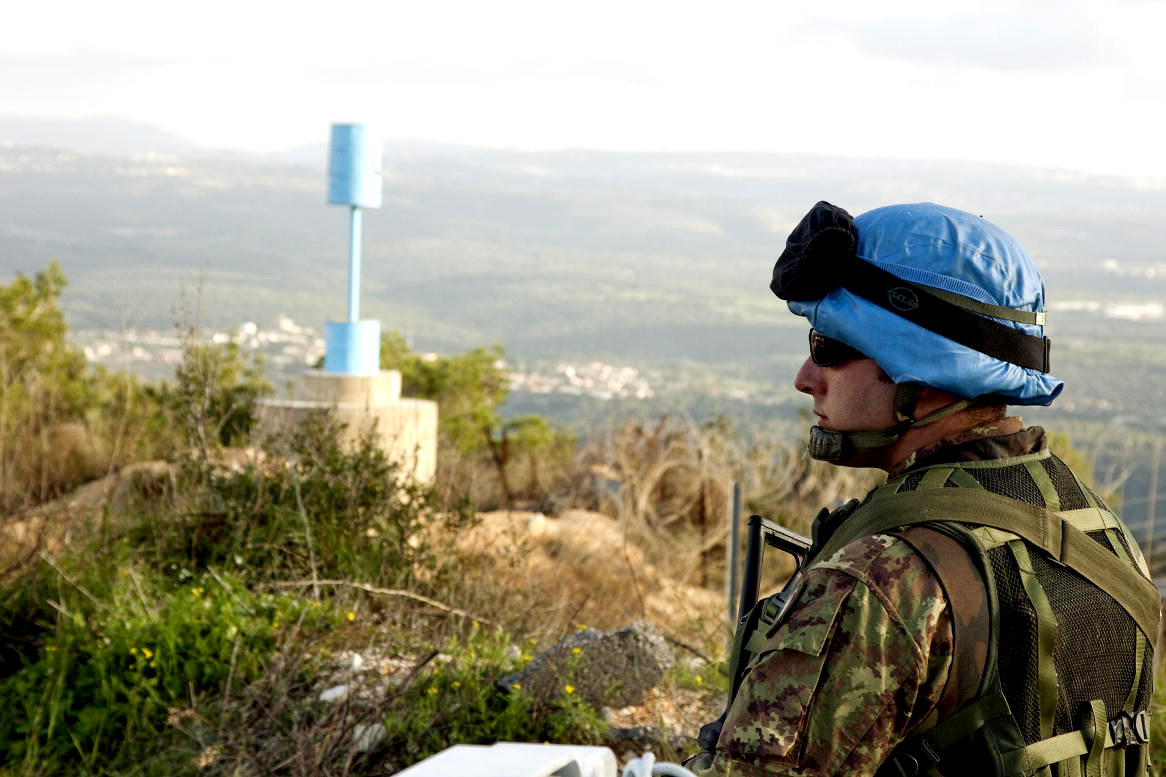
(944, 248)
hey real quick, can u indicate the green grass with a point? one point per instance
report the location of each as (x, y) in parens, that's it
(461, 701)
(123, 649)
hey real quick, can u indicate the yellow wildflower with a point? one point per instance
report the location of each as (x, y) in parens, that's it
(134, 651)
(456, 684)
(147, 653)
(698, 679)
(431, 690)
(517, 686)
(197, 591)
(351, 615)
(576, 651)
(569, 689)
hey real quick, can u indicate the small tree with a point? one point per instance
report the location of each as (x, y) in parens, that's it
(44, 385)
(470, 389)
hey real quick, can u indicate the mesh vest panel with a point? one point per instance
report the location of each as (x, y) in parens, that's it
(1095, 647)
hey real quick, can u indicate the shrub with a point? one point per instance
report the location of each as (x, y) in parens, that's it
(45, 390)
(484, 460)
(313, 510)
(461, 702)
(122, 652)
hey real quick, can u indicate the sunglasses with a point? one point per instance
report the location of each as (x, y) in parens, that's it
(827, 352)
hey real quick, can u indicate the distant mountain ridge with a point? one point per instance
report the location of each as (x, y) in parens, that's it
(632, 258)
(94, 135)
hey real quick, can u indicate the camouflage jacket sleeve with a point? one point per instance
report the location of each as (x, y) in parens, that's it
(860, 661)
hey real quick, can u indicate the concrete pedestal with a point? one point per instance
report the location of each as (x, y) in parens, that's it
(406, 429)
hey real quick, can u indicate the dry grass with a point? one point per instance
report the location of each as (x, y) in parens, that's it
(544, 577)
(668, 482)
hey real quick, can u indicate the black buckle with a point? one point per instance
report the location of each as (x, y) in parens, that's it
(1129, 729)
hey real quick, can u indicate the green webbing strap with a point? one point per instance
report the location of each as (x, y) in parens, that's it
(1135, 549)
(1058, 749)
(1046, 626)
(934, 478)
(1045, 484)
(971, 718)
(1071, 768)
(995, 311)
(1098, 725)
(1044, 753)
(756, 639)
(961, 478)
(749, 639)
(1139, 659)
(1089, 519)
(1066, 544)
(1113, 535)
(1089, 497)
(945, 411)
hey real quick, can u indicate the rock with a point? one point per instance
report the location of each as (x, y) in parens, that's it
(366, 736)
(632, 742)
(335, 693)
(612, 669)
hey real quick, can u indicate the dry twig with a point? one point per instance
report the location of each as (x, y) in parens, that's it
(372, 589)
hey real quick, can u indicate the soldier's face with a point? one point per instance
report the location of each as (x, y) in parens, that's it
(852, 396)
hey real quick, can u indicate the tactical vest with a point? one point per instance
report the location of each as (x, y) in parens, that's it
(1053, 614)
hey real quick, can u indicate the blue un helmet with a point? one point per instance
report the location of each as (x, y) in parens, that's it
(936, 296)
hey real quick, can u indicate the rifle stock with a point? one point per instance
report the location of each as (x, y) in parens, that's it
(762, 532)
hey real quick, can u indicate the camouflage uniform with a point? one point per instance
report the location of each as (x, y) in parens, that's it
(862, 658)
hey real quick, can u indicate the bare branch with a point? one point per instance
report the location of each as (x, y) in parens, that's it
(380, 592)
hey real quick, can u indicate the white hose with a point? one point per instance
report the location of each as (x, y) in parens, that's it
(646, 766)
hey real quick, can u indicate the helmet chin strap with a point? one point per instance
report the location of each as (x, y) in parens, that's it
(826, 445)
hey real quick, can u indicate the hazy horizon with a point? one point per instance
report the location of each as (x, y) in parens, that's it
(1067, 86)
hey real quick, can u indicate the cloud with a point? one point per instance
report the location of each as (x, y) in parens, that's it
(1002, 39)
(75, 69)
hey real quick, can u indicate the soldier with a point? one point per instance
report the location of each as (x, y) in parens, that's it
(983, 612)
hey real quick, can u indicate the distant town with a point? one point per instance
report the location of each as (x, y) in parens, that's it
(289, 348)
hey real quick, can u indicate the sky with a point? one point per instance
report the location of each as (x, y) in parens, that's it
(1073, 85)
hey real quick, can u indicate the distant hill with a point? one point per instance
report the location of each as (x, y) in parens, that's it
(652, 259)
(99, 135)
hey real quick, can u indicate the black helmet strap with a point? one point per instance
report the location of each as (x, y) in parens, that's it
(826, 445)
(820, 255)
(939, 314)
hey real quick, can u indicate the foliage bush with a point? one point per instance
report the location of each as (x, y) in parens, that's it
(126, 647)
(180, 608)
(531, 459)
(310, 509)
(62, 423)
(461, 701)
(47, 395)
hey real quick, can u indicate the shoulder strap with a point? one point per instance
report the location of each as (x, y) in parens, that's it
(1045, 529)
(971, 617)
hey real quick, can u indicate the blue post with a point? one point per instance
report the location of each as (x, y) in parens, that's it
(354, 179)
(354, 264)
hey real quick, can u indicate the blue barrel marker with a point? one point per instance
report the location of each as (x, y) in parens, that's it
(352, 347)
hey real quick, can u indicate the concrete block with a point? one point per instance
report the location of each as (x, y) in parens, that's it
(406, 429)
